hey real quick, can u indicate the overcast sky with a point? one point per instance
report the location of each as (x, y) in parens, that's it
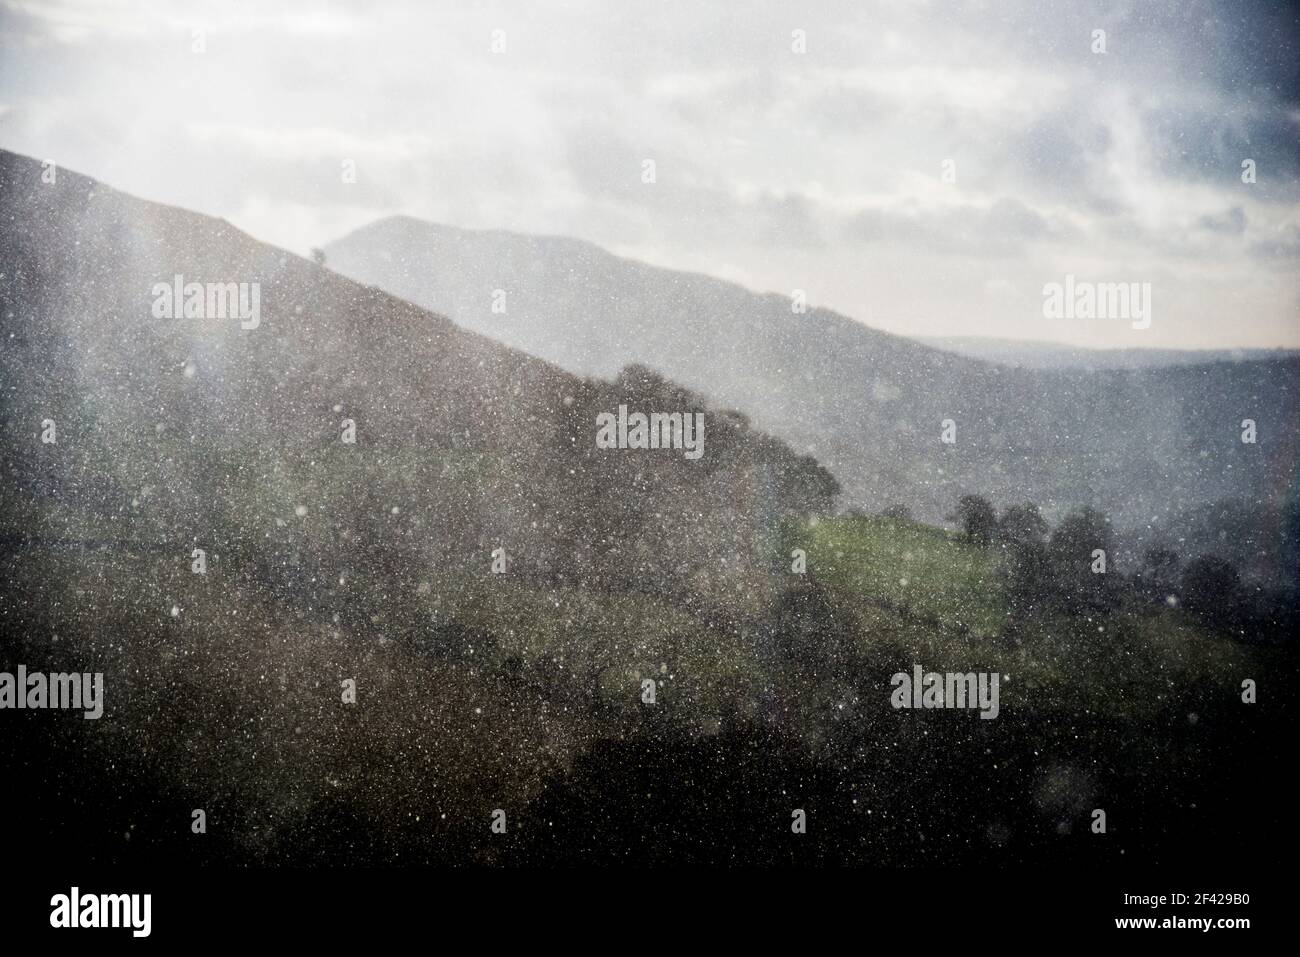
(820, 171)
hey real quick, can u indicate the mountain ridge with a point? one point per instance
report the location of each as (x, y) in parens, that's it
(1043, 354)
(1140, 444)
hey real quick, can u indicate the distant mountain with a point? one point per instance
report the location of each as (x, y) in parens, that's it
(1141, 444)
(175, 431)
(1055, 355)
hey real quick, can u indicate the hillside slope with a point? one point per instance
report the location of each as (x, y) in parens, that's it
(174, 430)
(133, 447)
(1140, 444)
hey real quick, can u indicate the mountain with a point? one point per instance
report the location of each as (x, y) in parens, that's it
(182, 430)
(1142, 444)
(1055, 355)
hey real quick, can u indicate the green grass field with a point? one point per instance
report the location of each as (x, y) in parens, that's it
(922, 594)
(914, 569)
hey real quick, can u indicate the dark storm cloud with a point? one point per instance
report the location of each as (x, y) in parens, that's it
(1211, 144)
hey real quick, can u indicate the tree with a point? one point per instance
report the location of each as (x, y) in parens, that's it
(1211, 588)
(1027, 577)
(1159, 572)
(978, 520)
(1160, 562)
(1022, 525)
(1080, 555)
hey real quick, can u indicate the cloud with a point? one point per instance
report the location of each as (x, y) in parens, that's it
(1233, 222)
(789, 166)
(1285, 244)
(1209, 142)
(999, 229)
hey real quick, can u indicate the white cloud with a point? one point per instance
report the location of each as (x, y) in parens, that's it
(819, 171)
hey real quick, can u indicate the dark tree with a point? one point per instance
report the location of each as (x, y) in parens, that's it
(1080, 548)
(979, 522)
(1211, 588)
(1029, 586)
(1022, 524)
(1160, 563)
(1159, 576)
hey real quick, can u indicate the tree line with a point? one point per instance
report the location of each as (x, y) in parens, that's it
(1070, 569)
